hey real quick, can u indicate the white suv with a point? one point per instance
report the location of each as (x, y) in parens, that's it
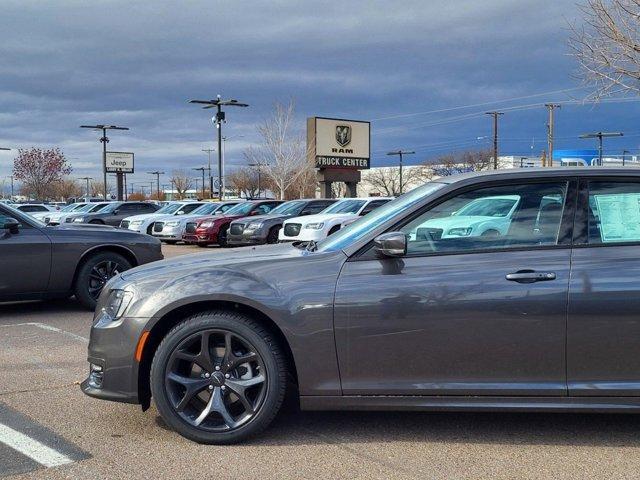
(332, 219)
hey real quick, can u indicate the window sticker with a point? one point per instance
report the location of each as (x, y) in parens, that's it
(619, 217)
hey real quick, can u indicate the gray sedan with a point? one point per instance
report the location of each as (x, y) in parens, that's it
(40, 261)
(393, 312)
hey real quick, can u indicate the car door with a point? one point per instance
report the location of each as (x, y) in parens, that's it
(603, 326)
(462, 314)
(25, 257)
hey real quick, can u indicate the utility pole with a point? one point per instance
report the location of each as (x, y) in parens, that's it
(104, 140)
(600, 136)
(219, 119)
(551, 107)
(157, 174)
(202, 169)
(495, 137)
(258, 167)
(208, 151)
(87, 179)
(400, 153)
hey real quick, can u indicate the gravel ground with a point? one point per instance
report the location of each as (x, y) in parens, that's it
(40, 368)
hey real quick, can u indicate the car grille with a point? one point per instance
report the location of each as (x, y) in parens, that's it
(158, 226)
(68, 220)
(191, 227)
(292, 229)
(46, 219)
(428, 233)
(236, 228)
(124, 224)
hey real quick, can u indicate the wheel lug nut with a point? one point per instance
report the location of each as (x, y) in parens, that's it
(223, 387)
(217, 367)
(210, 387)
(226, 375)
(207, 375)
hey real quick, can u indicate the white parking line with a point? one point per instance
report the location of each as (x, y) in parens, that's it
(44, 326)
(32, 448)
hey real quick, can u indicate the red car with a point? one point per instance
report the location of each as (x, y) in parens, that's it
(212, 229)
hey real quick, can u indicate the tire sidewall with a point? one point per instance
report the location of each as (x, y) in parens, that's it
(276, 377)
(81, 288)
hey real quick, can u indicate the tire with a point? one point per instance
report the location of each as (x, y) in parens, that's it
(96, 222)
(490, 233)
(334, 229)
(150, 229)
(267, 375)
(87, 287)
(202, 245)
(222, 236)
(272, 236)
(170, 242)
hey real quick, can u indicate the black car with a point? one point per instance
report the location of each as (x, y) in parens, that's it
(40, 261)
(262, 229)
(114, 213)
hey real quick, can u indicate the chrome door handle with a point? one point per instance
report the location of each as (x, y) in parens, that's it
(530, 276)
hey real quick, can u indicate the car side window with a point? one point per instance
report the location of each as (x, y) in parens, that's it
(264, 208)
(224, 208)
(189, 208)
(315, 207)
(512, 216)
(614, 212)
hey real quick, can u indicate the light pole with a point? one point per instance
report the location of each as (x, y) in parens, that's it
(208, 151)
(219, 119)
(400, 153)
(202, 169)
(86, 179)
(600, 136)
(157, 173)
(104, 140)
(258, 166)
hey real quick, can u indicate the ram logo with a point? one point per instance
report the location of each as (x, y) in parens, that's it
(343, 135)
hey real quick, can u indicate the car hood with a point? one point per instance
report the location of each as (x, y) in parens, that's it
(142, 216)
(457, 221)
(176, 267)
(322, 217)
(260, 218)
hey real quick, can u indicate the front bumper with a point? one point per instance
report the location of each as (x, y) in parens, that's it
(112, 346)
(200, 237)
(254, 238)
(305, 235)
(169, 233)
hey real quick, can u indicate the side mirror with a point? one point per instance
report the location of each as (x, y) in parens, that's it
(11, 224)
(392, 244)
(116, 211)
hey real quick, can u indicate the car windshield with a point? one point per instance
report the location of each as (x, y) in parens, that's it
(488, 207)
(346, 236)
(240, 209)
(170, 208)
(110, 208)
(206, 209)
(345, 206)
(86, 208)
(288, 208)
(98, 207)
(70, 207)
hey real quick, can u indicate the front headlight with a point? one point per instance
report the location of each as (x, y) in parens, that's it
(254, 226)
(172, 224)
(117, 303)
(78, 219)
(207, 224)
(460, 232)
(314, 226)
(135, 223)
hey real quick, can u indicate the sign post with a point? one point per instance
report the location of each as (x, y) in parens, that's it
(339, 149)
(119, 163)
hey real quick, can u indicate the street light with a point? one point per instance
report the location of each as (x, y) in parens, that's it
(157, 173)
(400, 153)
(104, 140)
(600, 136)
(258, 165)
(202, 169)
(219, 119)
(86, 179)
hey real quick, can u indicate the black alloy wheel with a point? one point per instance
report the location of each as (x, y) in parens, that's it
(218, 377)
(94, 273)
(272, 236)
(222, 236)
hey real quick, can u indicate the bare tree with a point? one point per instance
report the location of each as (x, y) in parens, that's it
(181, 183)
(338, 189)
(470, 161)
(283, 152)
(607, 46)
(67, 188)
(386, 180)
(245, 181)
(97, 189)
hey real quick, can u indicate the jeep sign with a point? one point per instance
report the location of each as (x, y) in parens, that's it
(119, 162)
(335, 143)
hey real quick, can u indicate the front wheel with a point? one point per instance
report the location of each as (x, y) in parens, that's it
(272, 237)
(223, 237)
(94, 273)
(218, 377)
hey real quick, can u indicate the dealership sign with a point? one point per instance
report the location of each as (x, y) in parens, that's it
(337, 143)
(119, 162)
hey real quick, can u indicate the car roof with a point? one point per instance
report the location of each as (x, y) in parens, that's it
(540, 172)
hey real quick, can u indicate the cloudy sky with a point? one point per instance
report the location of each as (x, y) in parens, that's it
(422, 71)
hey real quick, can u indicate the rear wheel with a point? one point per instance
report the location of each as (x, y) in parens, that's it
(170, 242)
(272, 237)
(218, 377)
(94, 273)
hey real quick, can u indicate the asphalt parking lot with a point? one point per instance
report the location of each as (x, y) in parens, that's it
(43, 415)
